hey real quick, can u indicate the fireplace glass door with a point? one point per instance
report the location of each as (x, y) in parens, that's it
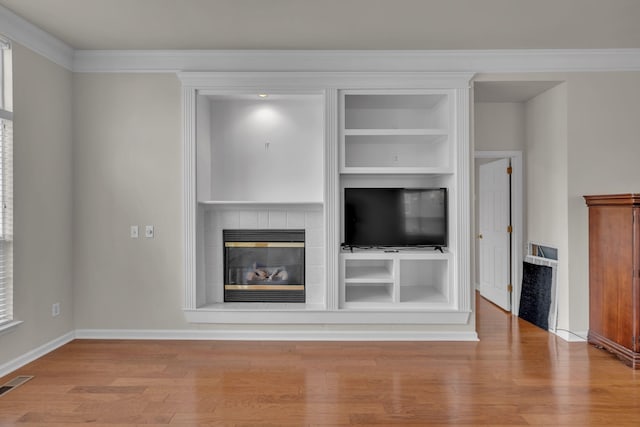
(264, 265)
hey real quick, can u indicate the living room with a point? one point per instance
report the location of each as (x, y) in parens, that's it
(99, 133)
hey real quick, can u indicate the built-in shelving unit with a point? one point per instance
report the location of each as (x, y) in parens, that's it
(283, 161)
(403, 138)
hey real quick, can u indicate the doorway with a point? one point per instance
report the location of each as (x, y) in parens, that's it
(501, 131)
(502, 286)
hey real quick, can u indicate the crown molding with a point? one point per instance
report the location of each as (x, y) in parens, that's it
(475, 61)
(319, 80)
(28, 35)
(169, 61)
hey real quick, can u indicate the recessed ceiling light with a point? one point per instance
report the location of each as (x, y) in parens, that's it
(262, 95)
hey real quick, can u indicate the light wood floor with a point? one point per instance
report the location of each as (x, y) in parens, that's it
(516, 375)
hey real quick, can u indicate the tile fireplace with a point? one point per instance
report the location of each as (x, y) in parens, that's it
(264, 265)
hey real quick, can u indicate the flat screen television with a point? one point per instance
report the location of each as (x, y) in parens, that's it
(395, 217)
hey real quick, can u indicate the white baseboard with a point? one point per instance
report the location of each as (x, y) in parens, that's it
(36, 353)
(580, 336)
(271, 335)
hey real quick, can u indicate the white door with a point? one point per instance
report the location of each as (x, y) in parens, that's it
(494, 236)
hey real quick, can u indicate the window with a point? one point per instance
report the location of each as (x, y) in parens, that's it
(6, 184)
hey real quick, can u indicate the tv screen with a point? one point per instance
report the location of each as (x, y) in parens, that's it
(395, 217)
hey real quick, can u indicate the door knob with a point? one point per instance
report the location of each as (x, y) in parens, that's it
(480, 236)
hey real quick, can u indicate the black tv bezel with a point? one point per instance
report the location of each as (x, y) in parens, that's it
(352, 246)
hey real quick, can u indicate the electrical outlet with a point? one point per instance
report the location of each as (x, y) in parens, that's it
(55, 309)
(148, 231)
(133, 232)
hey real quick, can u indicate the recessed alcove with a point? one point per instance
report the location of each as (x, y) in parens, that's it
(262, 149)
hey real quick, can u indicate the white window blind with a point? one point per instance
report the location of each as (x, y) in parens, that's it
(6, 185)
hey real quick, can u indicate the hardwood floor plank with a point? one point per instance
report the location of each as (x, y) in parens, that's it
(517, 374)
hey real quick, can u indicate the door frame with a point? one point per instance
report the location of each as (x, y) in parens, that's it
(517, 222)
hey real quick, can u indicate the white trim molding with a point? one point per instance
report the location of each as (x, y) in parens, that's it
(35, 354)
(275, 335)
(28, 35)
(249, 316)
(571, 336)
(9, 326)
(318, 81)
(476, 61)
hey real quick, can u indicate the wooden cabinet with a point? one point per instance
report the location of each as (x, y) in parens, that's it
(614, 275)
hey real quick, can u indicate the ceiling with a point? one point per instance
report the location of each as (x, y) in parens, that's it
(336, 24)
(510, 91)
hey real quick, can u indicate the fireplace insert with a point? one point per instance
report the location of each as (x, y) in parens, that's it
(264, 265)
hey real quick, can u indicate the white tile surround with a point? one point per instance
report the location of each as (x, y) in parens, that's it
(309, 218)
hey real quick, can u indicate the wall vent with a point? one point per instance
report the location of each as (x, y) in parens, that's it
(14, 383)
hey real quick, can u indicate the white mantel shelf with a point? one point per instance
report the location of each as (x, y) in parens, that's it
(258, 204)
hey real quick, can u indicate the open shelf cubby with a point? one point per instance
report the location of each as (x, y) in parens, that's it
(423, 280)
(375, 278)
(399, 110)
(368, 293)
(396, 132)
(428, 151)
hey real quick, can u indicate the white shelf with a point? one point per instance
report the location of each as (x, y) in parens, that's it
(420, 294)
(374, 274)
(369, 293)
(257, 203)
(368, 170)
(261, 306)
(396, 132)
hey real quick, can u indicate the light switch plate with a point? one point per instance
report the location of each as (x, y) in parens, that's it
(148, 231)
(133, 232)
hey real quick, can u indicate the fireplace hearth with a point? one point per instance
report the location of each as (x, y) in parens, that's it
(264, 265)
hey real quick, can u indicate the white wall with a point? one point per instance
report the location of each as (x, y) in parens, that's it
(127, 163)
(547, 183)
(604, 149)
(43, 203)
(499, 126)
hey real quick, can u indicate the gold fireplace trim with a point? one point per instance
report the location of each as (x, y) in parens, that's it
(264, 244)
(265, 287)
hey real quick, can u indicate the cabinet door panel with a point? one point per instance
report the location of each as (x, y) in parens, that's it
(611, 266)
(636, 279)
